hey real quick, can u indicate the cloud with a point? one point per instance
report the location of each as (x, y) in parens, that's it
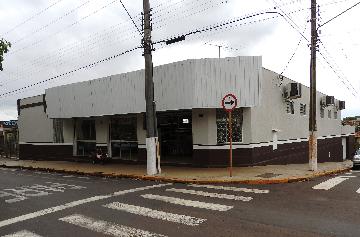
(100, 29)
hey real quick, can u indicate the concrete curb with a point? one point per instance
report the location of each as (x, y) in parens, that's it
(179, 180)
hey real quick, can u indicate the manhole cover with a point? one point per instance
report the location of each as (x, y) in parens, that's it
(267, 175)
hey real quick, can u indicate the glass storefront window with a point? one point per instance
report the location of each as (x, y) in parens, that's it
(223, 128)
(123, 128)
(86, 130)
(86, 137)
(124, 137)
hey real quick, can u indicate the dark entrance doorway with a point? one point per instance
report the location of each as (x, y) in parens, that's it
(175, 136)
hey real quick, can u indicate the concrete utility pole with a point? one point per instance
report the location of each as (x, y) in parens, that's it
(312, 114)
(151, 127)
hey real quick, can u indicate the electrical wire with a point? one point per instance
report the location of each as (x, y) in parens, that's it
(69, 72)
(31, 34)
(51, 56)
(348, 9)
(63, 29)
(131, 17)
(295, 50)
(31, 17)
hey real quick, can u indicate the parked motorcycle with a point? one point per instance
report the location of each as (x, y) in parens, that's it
(99, 156)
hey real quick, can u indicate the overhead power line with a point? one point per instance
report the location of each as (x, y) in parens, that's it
(69, 72)
(31, 34)
(67, 27)
(339, 14)
(31, 17)
(216, 26)
(131, 17)
(293, 54)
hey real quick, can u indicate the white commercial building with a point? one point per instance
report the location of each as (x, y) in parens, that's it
(270, 123)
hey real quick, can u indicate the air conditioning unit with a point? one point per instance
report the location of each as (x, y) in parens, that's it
(327, 101)
(341, 105)
(292, 91)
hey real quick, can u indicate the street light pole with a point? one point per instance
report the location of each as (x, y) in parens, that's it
(151, 127)
(312, 113)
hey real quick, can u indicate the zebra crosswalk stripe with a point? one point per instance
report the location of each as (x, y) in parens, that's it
(188, 203)
(358, 191)
(207, 194)
(23, 233)
(73, 204)
(161, 215)
(236, 189)
(105, 227)
(330, 183)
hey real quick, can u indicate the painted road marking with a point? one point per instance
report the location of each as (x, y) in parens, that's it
(25, 192)
(358, 191)
(330, 183)
(74, 204)
(246, 190)
(68, 176)
(188, 203)
(348, 176)
(207, 194)
(161, 215)
(106, 228)
(23, 233)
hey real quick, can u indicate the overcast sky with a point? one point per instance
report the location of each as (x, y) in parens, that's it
(51, 37)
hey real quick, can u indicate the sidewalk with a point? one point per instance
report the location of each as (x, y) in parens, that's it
(269, 174)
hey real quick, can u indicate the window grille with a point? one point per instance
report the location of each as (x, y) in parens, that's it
(58, 131)
(290, 107)
(223, 127)
(303, 109)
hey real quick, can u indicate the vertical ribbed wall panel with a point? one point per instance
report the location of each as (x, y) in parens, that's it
(195, 83)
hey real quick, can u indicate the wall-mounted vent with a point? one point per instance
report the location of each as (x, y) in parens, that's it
(292, 91)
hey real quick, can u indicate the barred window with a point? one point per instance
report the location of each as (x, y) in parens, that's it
(290, 107)
(322, 113)
(303, 109)
(335, 115)
(58, 131)
(329, 114)
(223, 128)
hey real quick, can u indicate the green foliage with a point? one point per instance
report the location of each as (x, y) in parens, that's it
(4, 48)
(349, 118)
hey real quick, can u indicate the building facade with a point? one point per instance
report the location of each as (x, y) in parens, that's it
(8, 138)
(270, 123)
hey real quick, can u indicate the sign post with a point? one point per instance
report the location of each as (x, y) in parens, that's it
(229, 103)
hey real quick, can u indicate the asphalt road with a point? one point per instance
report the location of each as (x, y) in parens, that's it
(51, 204)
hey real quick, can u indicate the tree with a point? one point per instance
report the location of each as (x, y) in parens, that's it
(4, 48)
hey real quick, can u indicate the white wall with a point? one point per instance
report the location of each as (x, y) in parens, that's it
(204, 128)
(68, 130)
(199, 83)
(140, 131)
(271, 114)
(33, 123)
(102, 130)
